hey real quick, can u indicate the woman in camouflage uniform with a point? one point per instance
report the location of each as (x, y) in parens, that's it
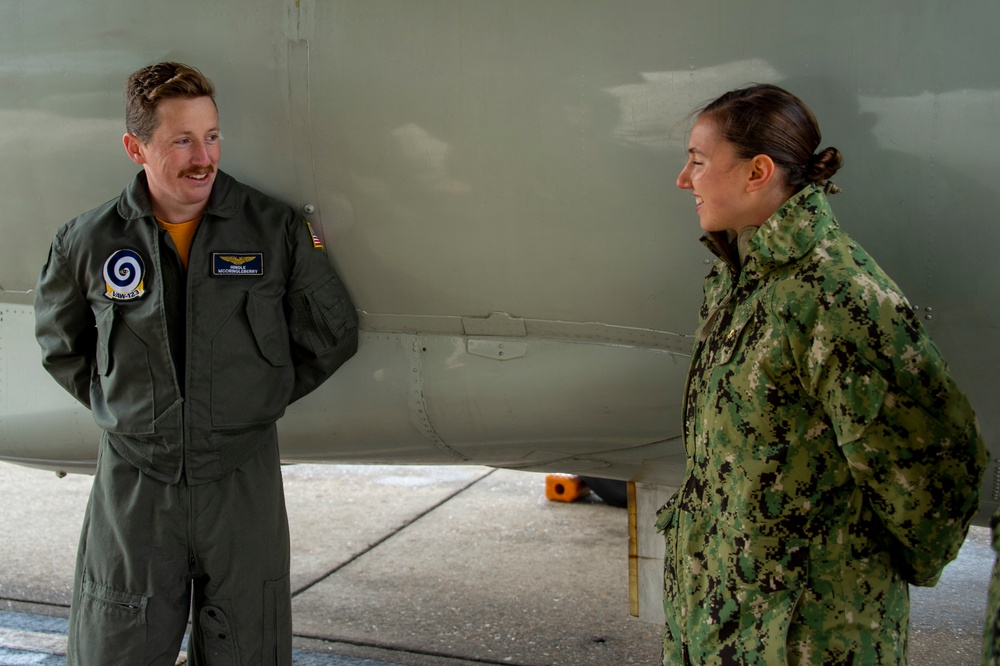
(831, 458)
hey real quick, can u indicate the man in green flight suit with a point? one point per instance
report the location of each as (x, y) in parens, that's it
(186, 314)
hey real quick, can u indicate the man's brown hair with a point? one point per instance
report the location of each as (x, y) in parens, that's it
(148, 86)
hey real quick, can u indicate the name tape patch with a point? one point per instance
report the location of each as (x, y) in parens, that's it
(238, 263)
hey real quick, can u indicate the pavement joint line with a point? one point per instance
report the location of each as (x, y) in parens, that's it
(407, 650)
(28, 602)
(34, 635)
(372, 546)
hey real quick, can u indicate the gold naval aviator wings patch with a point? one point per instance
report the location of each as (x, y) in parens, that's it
(246, 264)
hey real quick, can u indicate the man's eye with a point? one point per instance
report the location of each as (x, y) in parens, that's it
(182, 142)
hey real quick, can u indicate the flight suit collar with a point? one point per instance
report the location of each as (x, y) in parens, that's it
(224, 201)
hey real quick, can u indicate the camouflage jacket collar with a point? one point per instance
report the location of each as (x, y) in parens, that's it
(791, 232)
(787, 236)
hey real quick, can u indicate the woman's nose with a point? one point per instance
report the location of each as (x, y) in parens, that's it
(683, 179)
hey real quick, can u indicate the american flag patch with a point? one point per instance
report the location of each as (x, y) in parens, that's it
(317, 243)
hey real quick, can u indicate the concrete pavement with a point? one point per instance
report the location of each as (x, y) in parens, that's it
(437, 565)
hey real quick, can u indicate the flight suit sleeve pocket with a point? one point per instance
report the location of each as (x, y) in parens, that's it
(323, 315)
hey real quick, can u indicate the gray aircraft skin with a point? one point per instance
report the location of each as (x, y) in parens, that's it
(495, 181)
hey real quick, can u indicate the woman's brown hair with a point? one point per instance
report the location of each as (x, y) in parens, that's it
(763, 119)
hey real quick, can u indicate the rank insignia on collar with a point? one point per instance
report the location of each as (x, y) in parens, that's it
(238, 263)
(124, 276)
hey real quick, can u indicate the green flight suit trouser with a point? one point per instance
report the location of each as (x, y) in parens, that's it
(152, 553)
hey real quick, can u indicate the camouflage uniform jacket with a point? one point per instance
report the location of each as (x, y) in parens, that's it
(991, 635)
(830, 458)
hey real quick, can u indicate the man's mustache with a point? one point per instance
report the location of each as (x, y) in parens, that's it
(197, 171)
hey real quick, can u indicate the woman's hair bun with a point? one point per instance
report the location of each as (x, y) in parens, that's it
(823, 165)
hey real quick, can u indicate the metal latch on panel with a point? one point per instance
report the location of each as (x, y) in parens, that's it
(497, 324)
(500, 350)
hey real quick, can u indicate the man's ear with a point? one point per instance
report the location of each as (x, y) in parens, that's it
(134, 148)
(762, 172)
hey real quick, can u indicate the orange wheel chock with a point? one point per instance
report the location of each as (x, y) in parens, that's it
(565, 487)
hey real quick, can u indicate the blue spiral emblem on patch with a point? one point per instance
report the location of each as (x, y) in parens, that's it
(124, 276)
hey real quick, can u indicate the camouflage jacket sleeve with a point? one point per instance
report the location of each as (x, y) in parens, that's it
(908, 433)
(991, 634)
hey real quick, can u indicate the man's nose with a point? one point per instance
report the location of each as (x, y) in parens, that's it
(200, 155)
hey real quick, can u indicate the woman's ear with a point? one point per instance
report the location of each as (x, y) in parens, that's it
(762, 173)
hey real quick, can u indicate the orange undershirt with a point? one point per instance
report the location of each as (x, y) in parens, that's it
(181, 233)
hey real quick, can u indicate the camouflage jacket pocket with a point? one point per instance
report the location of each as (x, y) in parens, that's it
(764, 579)
(768, 564)
(666, 516)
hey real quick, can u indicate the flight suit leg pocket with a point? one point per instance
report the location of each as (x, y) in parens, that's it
(111, 625)
(218, 639)
(277, 630)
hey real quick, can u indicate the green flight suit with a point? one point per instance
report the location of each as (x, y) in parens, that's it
(831, 460)
(149, 550)
(187, 372)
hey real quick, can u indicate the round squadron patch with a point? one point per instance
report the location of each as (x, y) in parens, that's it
(124, 275)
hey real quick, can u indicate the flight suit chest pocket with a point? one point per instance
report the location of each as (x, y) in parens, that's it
(105, 325)
(252, 374)
(121, 393)
(267, 322)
